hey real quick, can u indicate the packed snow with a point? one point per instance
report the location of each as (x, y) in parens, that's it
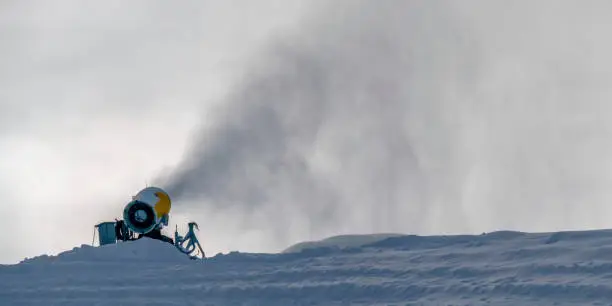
(499, 268)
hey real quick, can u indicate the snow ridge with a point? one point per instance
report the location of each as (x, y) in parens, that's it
(500, 268)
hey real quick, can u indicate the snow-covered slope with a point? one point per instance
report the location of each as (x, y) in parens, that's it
(339, 242)
(500, 268)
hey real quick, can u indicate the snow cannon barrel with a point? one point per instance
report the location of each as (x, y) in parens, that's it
(148, 210)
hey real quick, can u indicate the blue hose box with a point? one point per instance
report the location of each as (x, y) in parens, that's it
(106, 233)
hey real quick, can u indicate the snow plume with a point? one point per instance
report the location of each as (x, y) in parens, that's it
(413, 116)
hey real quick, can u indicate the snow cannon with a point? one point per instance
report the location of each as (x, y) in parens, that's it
(145, 216)
(148, 210)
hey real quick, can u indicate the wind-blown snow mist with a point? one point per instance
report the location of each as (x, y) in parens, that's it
(414, 116)
(96, 99)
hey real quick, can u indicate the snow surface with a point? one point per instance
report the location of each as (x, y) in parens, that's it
(500, 268)
(340, 242)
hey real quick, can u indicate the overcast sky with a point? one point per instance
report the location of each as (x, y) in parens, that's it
(273, 122)
(96, 100)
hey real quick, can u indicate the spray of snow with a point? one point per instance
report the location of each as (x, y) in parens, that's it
(413, 116)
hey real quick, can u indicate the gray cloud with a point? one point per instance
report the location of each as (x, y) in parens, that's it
(94, 99)
(413, 116)
(339, 126)
(75, 59)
